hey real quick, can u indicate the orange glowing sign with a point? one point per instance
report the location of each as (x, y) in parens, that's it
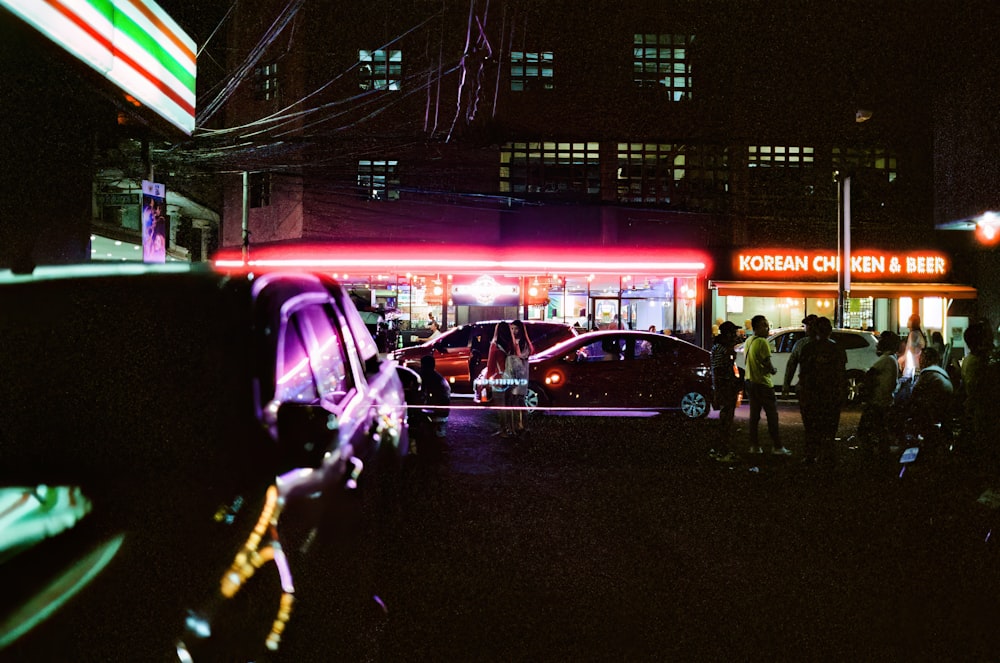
(865, 265)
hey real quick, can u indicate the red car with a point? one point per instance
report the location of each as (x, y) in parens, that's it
(461, 351)
(620, 369)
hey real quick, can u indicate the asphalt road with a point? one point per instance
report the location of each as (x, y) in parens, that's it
(604, 538)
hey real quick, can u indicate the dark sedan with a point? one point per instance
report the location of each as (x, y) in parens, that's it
(172, 442)
(622, 370)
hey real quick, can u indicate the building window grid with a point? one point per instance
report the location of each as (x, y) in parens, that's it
(662, 60)
(266, 81)
(871, 158)
(530, 71)
(380, 69)
(549, 167)
(780, 155)
(378, 180)
(665, 173)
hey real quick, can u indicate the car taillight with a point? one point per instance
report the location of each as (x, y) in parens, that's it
(554, 378)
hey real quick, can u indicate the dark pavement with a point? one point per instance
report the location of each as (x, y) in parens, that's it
(604, 538)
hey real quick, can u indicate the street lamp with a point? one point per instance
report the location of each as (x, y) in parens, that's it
(844, 235)
(843, 248)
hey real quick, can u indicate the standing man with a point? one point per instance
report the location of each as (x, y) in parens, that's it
(726, 384)
(822, 392)
(761, 388)
(809, 322)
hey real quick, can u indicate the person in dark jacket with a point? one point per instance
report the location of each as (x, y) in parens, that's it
(727, 386)
(822, 392)
(437, 394)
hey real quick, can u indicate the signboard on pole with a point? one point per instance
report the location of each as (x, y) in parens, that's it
(154, 222)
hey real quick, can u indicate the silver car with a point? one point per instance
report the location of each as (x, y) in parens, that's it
(859, 346)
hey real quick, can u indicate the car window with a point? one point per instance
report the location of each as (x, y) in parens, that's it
(479, 339)
(330, 365)
(850, 341)
(543, 336)
(601, 350)
(785, 342)
(293, 378)
(661, 347)
(458, 338)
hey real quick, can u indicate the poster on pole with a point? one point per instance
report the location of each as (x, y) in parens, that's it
(154, 222)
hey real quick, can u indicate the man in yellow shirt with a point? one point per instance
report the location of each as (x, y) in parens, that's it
(760, 388)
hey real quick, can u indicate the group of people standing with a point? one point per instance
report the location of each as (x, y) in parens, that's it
(823, 387)
(507, 371)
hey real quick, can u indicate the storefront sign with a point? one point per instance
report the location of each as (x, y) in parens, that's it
(865, 265)
(486, 291)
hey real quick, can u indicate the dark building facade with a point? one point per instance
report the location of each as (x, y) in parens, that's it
(693, 126)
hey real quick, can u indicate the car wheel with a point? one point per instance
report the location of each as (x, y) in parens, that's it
(534, 399)
(855, 383)
(694, 405)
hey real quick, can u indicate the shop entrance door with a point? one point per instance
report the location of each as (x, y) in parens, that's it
(605, 312)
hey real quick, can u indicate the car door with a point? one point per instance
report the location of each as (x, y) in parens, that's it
(654, 378)
(451, 358)
(599, 376)
(313, 369)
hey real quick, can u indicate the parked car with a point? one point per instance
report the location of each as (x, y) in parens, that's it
(171, 440)
(460, 351)
(624, 370)
(859, 345)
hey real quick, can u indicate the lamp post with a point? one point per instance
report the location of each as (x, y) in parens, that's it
(843, 249)
(844, 236)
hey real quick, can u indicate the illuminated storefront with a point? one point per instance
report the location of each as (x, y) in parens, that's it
(886, 287)
(591, 287)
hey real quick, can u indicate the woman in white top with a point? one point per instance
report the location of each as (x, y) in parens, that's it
(916, 341)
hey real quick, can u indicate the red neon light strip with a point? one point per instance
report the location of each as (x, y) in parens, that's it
(124, 57)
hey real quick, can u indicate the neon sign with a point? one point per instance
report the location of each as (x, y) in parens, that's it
(922, 265)
(487, 291)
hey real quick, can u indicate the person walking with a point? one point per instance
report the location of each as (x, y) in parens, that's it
(809, 323)
(726, 385)
(822, 392)
(760, 387)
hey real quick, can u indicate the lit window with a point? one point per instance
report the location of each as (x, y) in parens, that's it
(531, 71)
(266, 81)
(378, 179)
(662, 173)
(663, 60)
(871, 159)
(260, 189)
(380, 69)
(780, 155)
(550, 168)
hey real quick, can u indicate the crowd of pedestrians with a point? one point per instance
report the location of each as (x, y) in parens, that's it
(912, 394)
